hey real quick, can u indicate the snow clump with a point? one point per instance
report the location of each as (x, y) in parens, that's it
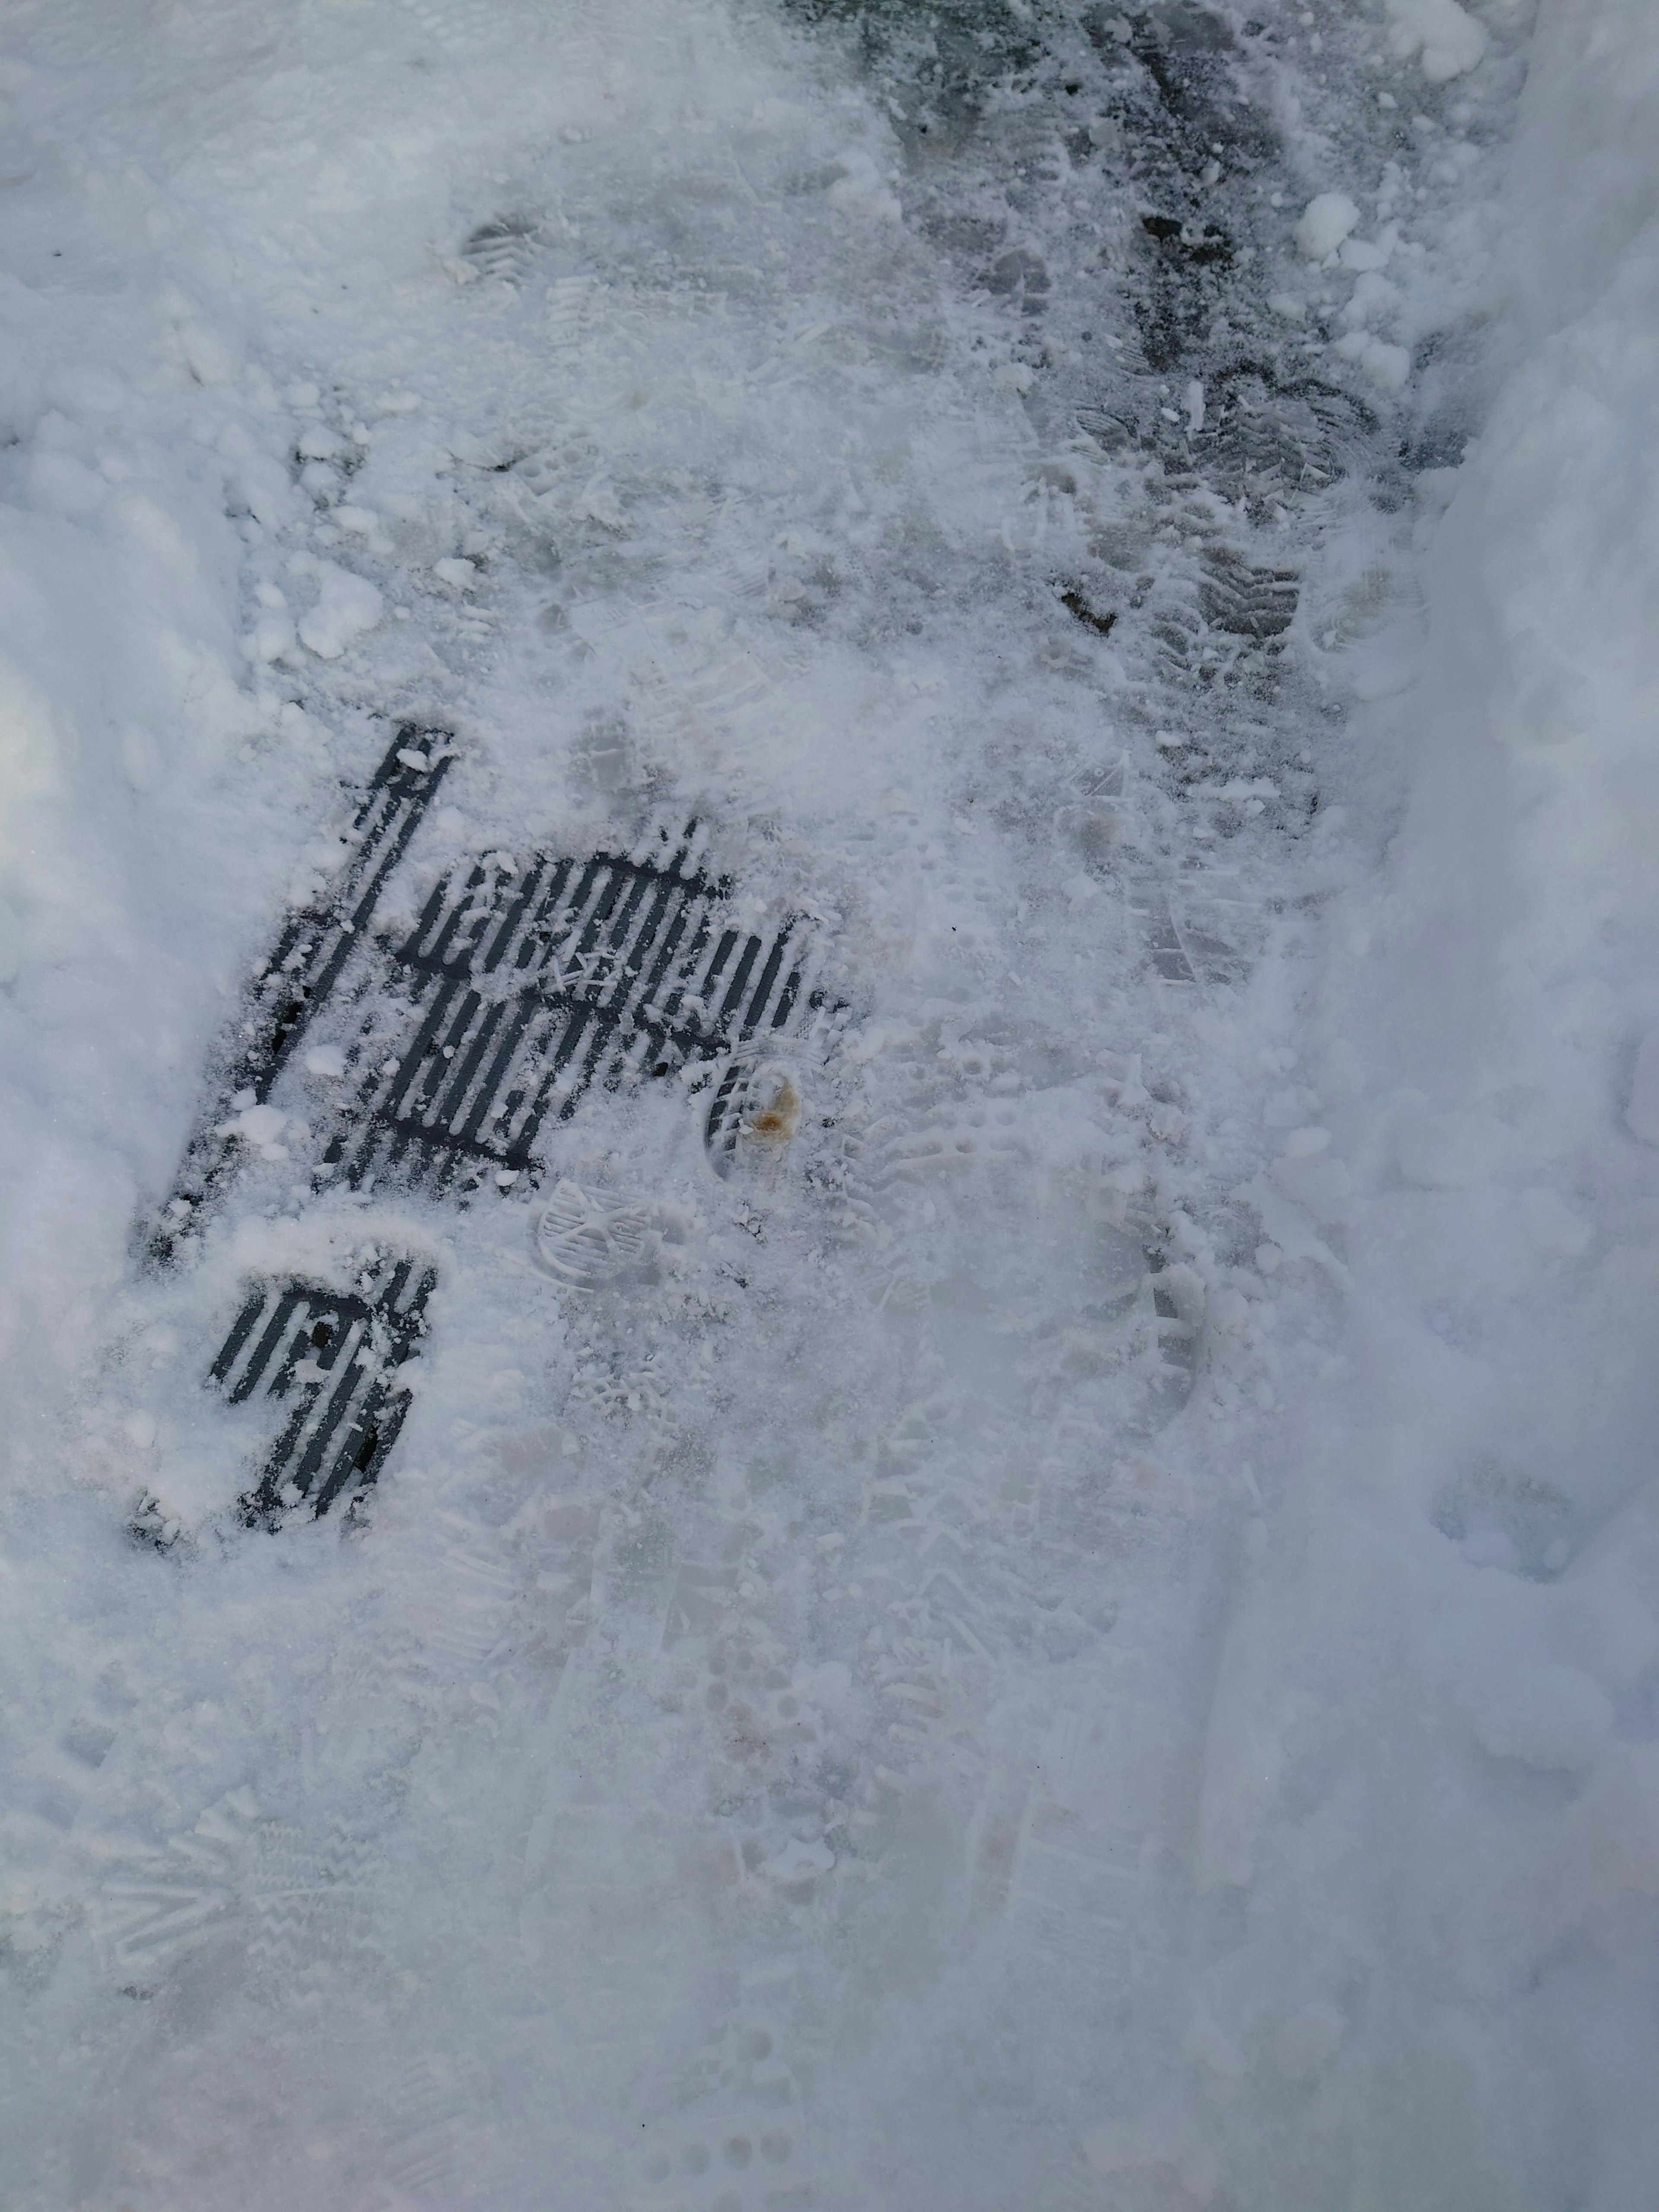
(347, 607)
(1447, 36)
(1325, 221)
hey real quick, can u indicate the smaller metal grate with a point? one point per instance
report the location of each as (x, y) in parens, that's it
(333, 1360)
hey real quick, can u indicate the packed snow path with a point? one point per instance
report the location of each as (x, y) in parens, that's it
(730, 642)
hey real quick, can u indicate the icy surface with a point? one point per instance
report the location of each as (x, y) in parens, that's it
(1069, 1620)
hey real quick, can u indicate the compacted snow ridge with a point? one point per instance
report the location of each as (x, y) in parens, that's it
(831, 1072)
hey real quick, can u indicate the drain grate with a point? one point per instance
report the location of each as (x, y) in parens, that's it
(305, 966)
(334, 1359)
(529, 985)
(520, 988)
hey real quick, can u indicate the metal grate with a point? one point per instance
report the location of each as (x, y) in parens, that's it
(529, 985)
(520, 989)
(333, 1358)
(305, 965)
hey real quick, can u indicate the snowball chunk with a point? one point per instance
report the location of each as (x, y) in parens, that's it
(271, 636)
(59, 485)
(347, 605)
(1325, 221)
(1305, 1144)
(1387, 365)
(1447, 36)
(261, 1126)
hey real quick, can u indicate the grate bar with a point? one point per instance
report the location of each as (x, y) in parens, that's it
(347, 1414)
(264, 1347)
(306, 963)
(764, 988)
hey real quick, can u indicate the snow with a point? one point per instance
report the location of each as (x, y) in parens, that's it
(1642, 1111)
(856, 1687)
(1448, 40)
(1325, 221)
(1489, 1000)
(346, 605)
(1388, 366)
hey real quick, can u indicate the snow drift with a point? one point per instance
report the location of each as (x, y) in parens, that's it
(1436, 1766)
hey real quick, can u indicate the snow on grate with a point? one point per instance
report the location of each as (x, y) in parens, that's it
(304, 967)
(333, 1359)
(529, 985)
(755, 1112)
(520, 989)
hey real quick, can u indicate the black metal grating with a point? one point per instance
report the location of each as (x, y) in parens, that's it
(520, 989)
(530, 985)
(307, 962)
(333, 1359)
(724, 1121)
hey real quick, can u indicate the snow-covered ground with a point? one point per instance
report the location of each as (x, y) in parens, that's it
(1071, 1619)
